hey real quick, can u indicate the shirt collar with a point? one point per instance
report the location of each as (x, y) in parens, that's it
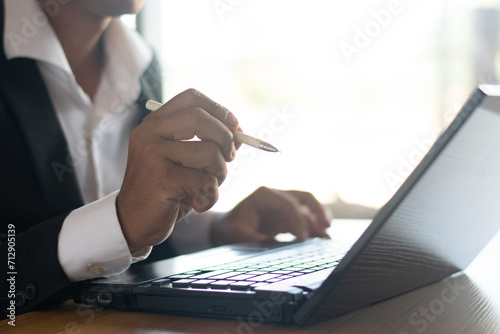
(127, 54)
(28, 34)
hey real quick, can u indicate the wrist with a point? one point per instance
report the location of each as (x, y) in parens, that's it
(126, 228)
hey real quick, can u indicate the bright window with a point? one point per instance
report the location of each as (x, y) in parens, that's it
(351, 92)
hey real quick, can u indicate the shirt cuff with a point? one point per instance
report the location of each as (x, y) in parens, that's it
(192, 233)
(91, 242)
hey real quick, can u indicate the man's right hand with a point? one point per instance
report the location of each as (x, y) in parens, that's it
(166, 174)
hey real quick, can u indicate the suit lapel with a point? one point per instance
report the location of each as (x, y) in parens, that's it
(26, 96)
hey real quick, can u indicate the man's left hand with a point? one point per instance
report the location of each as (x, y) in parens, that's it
(268, 212)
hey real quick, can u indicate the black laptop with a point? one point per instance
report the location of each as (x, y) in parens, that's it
(437, 222)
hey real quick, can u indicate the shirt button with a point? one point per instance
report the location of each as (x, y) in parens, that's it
(30, 291)
(96, 270)
(20, 298)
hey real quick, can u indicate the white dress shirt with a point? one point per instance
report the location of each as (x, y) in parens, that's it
(91, 242)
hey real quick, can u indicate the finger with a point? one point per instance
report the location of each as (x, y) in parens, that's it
(192, 98)
(202, 155)
(315, 229)
(199, 186)
(288, 208)
(186, 124)
(316, 207)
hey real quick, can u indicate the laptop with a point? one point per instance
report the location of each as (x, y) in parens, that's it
(438, 221)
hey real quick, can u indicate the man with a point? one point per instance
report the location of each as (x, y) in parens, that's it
(75, 203)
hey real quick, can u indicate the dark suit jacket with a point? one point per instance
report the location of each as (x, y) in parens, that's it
(33, 197)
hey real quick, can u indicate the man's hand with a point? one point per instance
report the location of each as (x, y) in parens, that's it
(166, 174)
(268, 212)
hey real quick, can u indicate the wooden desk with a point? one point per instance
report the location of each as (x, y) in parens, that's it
(468, 302)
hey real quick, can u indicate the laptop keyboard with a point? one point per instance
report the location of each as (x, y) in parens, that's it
(272, 267)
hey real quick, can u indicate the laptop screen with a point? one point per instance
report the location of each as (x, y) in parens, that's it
(434, 226)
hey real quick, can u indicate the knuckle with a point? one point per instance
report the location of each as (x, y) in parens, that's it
(208, 151)
(308, 196)
(212, 151)
(192, 91)
(139, 133)
(192, 94)
(196, 114)
(212, 154)
(221, 174)
(262, 190)
(208, 189)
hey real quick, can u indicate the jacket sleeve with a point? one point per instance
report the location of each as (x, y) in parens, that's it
(31, 275)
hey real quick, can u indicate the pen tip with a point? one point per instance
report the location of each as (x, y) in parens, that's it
(268, 147)
(271, 148)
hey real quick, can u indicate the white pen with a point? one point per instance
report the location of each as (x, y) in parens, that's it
(238, 136)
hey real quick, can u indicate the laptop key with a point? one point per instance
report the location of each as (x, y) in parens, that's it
(193, 272)
(182, 283)
(317, 268)
(258, 266)
(262, 278)
(240, 286)
(210, 274)
(222, 284)
(225, 275)
(258, 284)
(268, 270)
(160, 281)
(283, 272)
(202, 283)
(177, 277)
(257, 272)
(274, 280)
(241, 277)
(243, 270)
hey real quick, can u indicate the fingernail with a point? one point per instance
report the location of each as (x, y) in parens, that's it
(233, 153)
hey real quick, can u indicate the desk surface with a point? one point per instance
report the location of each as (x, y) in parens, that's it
(468, 302)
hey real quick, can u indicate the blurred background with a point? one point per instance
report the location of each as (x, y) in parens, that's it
(352, 93)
